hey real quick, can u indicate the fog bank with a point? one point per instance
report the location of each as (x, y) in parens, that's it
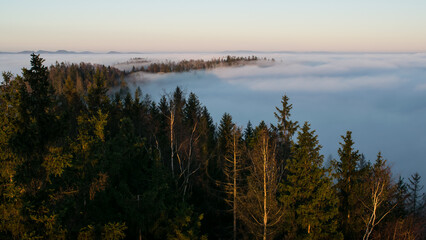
(380, 97)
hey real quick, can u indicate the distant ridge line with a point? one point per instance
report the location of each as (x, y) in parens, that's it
(219, 52)
(49, 52)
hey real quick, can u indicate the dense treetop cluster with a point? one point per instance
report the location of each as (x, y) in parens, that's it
(77, 163)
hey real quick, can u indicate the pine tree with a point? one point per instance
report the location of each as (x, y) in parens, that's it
(97, 94)
(224, 138)
(286, 127)
(249, 135)
(348, 181)
(208, 135)
(37, 142)
(415, 193)
(192, 110)
(285, 130)
(307, 192)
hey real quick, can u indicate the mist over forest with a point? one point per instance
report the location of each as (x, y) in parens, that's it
(103, 150)
(378, 96)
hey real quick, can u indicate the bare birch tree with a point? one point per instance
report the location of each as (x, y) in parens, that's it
(380, 189)
(260, 210)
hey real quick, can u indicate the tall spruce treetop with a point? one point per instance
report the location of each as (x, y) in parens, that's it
(284, 131)
(192, 110)
(37, 98)
(37, 121)
(224, 138)
(37, 78)
(97, 94)
(307, 193)
(249, 135)
(286, 127)
(207, 130)
(415, 196)
(38, 143)
(248, 132)
(349, 159)
(178, 101)
(401, 195)
(347, 180)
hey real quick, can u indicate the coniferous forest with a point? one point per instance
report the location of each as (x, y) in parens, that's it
(79, 161)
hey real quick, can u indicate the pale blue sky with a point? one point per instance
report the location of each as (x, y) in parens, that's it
(303, 25)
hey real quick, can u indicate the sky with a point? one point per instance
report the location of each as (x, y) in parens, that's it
(199, 25)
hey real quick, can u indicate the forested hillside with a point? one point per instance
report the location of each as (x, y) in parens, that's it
(189, 65)
(78, 163)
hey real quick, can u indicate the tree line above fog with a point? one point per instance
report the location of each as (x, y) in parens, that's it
(77, 163)
(189, 65)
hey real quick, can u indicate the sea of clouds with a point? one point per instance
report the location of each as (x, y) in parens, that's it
(380, 97)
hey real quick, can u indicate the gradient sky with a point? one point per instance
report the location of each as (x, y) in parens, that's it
(199, 25)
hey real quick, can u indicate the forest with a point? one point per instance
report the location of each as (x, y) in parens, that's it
(79, 161)
(190, 65)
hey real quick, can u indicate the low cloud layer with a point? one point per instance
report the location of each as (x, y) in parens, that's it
(331, 72)
(380, 97)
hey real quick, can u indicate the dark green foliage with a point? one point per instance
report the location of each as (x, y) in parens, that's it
(401, 196)
(415, 197)
(310, 203)
(348, 187)
(224, 137)
(285, 131)
(36, 145)
(285, 127)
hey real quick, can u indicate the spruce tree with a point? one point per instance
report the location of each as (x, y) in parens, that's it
(401, 196)
(39, 144)
(310, 202)
(286, 127)
(192, 110)
(415, 193)
(249, 135)
(348, 182)
(285, 130)
(224, 137)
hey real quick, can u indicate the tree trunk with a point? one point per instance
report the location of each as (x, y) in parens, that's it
(265, 214)
(172, 119)
(235, 188)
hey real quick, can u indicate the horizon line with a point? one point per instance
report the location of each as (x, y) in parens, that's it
(61, 51)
